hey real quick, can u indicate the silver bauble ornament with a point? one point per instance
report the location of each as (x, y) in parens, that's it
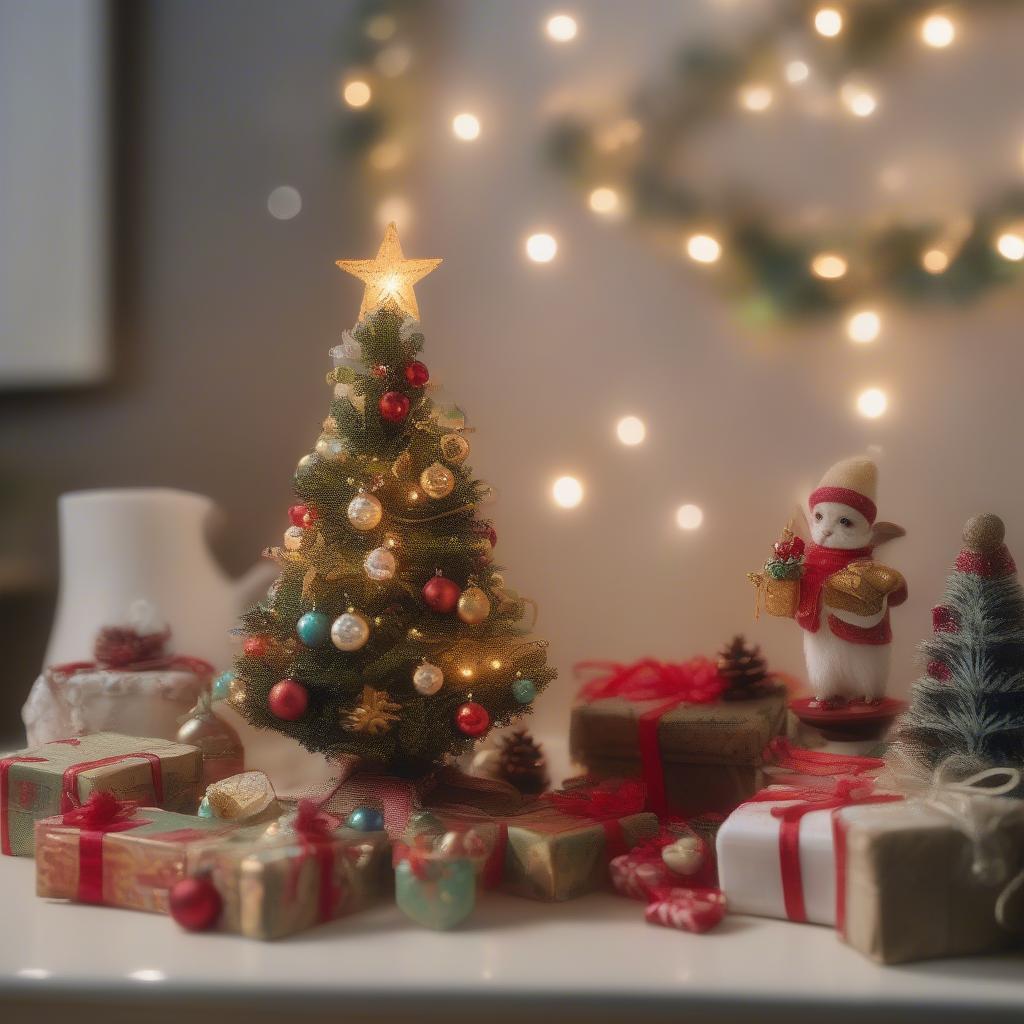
(427, 679)
(293, 538)
(379, 564)
(474, 605)
(684, 856)
(454, 447)
(364, 511)
(331, 449)
(437, 480)
(350, 631)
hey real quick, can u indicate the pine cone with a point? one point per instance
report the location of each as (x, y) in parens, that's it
(744, 670)
(118, 646)
(521, 762)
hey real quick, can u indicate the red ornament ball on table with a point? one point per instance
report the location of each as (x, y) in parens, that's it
(393, 406)
(472, 718)
(302, 515)
(288, 700)
(441, 594)
(417, 374)
(256, 646)
(195, 903)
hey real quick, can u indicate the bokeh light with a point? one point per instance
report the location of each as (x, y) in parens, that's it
(689, 517)
(466, 126)
(631, 430)
(567, 492)
(541, 247)
(872, 403)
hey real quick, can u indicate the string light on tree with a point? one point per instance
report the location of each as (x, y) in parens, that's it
(541, 247)
(703, 248)
(356, 93)
(689, 517)
(858, 100)
(1010, 245)
(561, 28)
(631, 430)
(797, 72)
(872, 403)
(604, 200)
(756, 97)
(567, 492)
(466, 126)
(935, 261)
(863, 326)
(829, 266)
(828, 22)
(938, 31)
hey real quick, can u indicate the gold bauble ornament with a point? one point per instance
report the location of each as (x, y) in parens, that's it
(474, 606)
(331, 449)
(454, 447)
(364, 511)
(437, 480)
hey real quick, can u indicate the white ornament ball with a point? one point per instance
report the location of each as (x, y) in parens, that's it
(474, 606)
(350, 631)
(684, 856)
(427, 679)
(379, 564)
(293, 538)
(331, 449)
(364, 511)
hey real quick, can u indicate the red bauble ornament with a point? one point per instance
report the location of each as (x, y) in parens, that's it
(417, 374)
(441, 594)
(394, 406)
(256, 646)
(302, 515)
(288, 700)
(472, 718)
(195, 903)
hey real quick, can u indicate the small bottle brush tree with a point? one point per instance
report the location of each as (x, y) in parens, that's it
(389, 635)
(970, 704)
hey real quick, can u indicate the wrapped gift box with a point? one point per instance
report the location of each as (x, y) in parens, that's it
(711, 753)
(58, 776)
(910, 890)
(777, 853)
(279, 883)
(128, 862)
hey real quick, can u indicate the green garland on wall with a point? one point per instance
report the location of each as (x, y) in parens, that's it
(774, 271)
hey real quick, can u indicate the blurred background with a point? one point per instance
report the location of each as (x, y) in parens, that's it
(770, 233)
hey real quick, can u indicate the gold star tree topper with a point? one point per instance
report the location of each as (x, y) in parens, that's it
(389, 277)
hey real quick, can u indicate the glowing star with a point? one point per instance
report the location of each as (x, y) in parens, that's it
(389, 277)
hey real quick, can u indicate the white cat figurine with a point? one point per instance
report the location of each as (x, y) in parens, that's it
(844, 595)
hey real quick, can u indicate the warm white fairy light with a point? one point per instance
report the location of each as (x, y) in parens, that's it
(386, 155)
(872, 403)
(466, 126)
(797, 71)
(1010, 245)
(938, 31)
(466, 672)
(631, 430)
(567, 492)
(703, 248)
(755, 97)
(828, 22)
(863, 326)
(356, 93)
(495, 664)
(689, 517)
(561, 28)
(935, 261)
(284, 202)
(829, 265)
(541, 247)
(604, 200)
(858, 100)
(394, 60)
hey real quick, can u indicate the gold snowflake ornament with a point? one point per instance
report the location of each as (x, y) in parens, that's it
(374, 715)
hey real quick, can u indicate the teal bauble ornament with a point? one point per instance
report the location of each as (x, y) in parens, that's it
(313, 628)
(524, 690)
(205, 810)
(222, 686)
(366, 819)
(441, 899)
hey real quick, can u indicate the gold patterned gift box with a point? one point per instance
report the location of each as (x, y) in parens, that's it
(280, 884)
(58, 776)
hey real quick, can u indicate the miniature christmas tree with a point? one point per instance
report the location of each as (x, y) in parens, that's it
(390, 634)
(521, 763)
(743, 669)
(970, 704)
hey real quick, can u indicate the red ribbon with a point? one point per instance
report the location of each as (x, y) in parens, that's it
(783, 754)
(616, 799)
(69, 798)
(5, 797)
(692, 682)
(184, 663)
(314, 828)
(845, 792)
(101, 814)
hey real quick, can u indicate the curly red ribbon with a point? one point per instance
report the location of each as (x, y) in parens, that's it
(783, 754)
(696, 681)
(616, 799)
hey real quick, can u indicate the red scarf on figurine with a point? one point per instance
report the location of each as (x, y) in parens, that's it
(819, 564)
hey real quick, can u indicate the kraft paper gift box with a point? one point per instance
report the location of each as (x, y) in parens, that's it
(710, 755)
(279, 883)
(912, 891)
(777, 852)
(129, 861)
(58, 776)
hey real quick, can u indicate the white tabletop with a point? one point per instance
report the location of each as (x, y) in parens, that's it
(596, 954)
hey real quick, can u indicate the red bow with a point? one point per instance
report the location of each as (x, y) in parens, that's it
(610, 800)
(312, 822)
(102, 812)
(782, 753)
(696, 681)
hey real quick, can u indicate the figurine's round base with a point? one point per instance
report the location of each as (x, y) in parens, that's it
(853, 721)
